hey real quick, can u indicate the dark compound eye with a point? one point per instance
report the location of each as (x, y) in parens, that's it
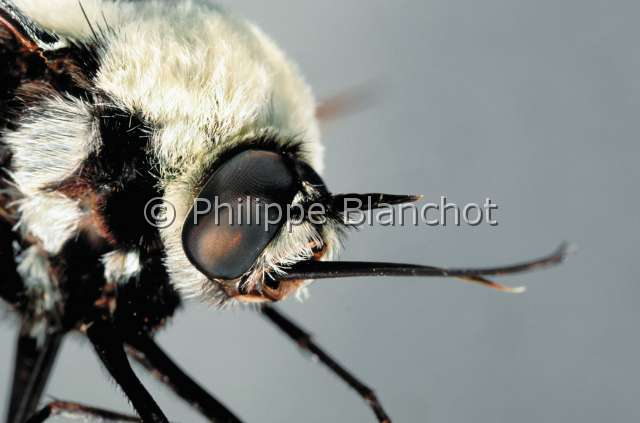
(227, 229)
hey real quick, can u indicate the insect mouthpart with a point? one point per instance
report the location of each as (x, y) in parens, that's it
(273, 287)
(344, 269)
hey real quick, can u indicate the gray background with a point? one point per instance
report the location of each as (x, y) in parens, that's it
(533, 103)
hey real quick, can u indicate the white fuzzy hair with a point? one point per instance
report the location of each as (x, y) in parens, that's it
(206, 77)
(121, 266)
(52, 218)
(51, 142)
(207, 81)
(33, 268)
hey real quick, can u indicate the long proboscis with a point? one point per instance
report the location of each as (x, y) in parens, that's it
(345, 269)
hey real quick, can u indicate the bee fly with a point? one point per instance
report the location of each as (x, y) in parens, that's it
(107, 105)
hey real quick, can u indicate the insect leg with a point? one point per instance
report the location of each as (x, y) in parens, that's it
(110, 349)
(304, 341)
(11, 285)
(34, 359)
(78, 411)
(155, 360)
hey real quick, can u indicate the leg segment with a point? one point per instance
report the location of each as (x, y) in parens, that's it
(110, 348)
(305, 342)
(10, 283)
(155, 360)
(34, 360)
(79, 411)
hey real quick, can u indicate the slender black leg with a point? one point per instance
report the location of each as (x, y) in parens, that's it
(155, 360)
(10, 283)
(110, 348)
(305, 342)
(79, 411)
(34, 360)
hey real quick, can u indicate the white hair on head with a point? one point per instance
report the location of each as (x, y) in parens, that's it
(208, 81)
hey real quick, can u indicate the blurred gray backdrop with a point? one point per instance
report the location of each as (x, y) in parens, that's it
(535, 104)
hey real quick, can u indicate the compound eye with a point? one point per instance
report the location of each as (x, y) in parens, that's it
(238, 212)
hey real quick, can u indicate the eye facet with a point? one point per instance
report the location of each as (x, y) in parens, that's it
(247, 192)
